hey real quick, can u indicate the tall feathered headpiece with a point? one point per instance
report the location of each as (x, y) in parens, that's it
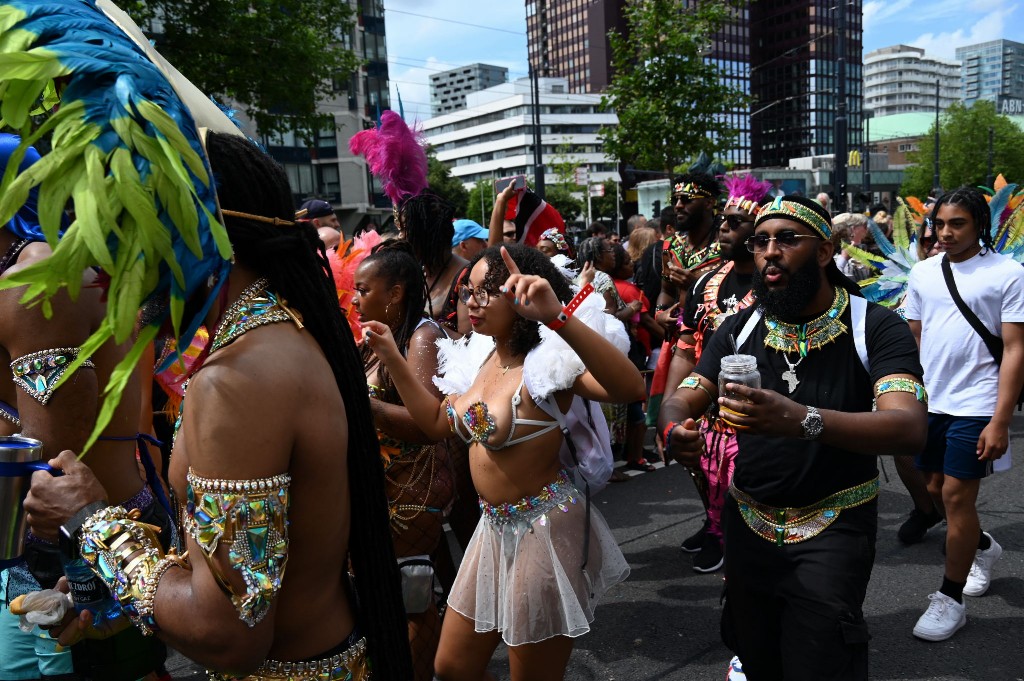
(126, 156)
(746, 192)
(395, 155)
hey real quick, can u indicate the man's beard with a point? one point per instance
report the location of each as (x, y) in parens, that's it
(690, 221)
(789, 303)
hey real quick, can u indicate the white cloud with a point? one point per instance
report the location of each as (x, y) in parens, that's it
(992, 26)
(421, 45)
(877, 12)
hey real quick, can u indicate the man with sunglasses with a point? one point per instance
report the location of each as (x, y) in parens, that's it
(717, 295)
(800, 526)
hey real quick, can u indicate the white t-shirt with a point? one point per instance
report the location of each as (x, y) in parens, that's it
(960, 374)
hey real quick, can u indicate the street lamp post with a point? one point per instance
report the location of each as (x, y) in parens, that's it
(936, 182)
(840, 131)
(991, 174)
(867, 156)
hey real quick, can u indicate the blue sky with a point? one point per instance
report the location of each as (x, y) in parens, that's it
(419, 46)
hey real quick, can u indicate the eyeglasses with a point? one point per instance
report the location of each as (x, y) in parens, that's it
(785, 240)
(480, 294)
(735, 221)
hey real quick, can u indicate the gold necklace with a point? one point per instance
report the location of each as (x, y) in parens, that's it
(504, 367)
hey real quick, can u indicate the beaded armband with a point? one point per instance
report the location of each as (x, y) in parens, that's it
(126, 555)
(38, 373)
(901, 385)
(693, 383)
(251, 518)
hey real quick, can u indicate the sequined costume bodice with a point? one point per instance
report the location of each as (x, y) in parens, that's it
(477, 425)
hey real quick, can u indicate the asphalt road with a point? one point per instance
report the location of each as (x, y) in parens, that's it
(662, 623)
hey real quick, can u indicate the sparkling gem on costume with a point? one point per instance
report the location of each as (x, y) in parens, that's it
(38, 373)
(901, 385)
(557, 494)
(255, 307)
(793, 525)
(350, 665)
(478, 421)
(250, 516)
(781, 208)
(814, 334)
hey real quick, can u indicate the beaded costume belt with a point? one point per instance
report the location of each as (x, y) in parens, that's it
(793, 525)
(351, 665)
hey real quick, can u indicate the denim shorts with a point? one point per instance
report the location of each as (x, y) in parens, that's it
(952, 447)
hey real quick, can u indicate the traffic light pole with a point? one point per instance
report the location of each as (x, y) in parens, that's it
(840, 131)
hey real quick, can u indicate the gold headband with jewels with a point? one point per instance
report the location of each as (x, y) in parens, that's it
(791, 210)
(691, 190)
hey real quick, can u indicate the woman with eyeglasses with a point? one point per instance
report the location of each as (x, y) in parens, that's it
(508, 387)
(390, 291)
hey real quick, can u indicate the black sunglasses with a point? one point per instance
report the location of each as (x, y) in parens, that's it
(785, 239)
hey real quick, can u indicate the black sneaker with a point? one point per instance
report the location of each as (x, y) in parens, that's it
(917, 525)
(695, 541)
(710, 557)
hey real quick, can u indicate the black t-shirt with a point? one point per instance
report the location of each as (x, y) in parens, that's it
(730, 293)
(793, 472)
(648, 272)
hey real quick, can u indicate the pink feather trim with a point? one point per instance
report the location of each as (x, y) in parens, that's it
(395, 155)
(747, 187)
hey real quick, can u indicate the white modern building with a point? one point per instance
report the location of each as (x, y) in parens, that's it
(493, 136)
(994, 71)
(901, 79)
(448, 89)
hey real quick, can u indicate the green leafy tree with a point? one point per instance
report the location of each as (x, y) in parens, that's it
(481, 202)
(441, 182)
(278, 58)
(668, 97)
(604, 207)
(963, 150)
(568, 205)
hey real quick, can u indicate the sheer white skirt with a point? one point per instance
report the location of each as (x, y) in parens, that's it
(522, 575)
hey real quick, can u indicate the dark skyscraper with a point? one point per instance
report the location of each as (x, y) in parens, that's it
(793, 51)
(782, 52)
(569, 39)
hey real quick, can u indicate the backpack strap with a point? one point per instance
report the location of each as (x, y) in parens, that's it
(749, 327)
(859, 315)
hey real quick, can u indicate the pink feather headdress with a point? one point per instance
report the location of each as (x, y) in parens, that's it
(745, 192)
(395, 155)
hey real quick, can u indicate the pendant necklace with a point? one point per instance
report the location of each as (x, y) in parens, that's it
(789, 375)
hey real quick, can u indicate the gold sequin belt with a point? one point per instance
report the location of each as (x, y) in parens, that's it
(351, 665)
(792, 525)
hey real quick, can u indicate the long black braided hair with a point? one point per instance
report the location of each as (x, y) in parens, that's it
(973, 201)
(395, 263)
(293, 259)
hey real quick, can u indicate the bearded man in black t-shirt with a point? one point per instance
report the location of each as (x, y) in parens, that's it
(801, 521)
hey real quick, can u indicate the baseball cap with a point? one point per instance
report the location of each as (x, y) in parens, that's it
(468, 229)
(316, 208)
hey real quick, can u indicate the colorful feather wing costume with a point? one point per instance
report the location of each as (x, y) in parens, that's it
(127, 155)
(889, 286)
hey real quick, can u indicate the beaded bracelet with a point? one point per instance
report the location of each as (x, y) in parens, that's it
(146, 602)
(567, 311)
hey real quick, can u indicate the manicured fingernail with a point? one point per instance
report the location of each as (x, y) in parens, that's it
(503, 289)
(526, 302)
(515, 300)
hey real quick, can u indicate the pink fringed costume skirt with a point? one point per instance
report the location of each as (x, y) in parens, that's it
(522, 575)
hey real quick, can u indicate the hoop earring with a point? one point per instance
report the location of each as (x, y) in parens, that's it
(387, 313)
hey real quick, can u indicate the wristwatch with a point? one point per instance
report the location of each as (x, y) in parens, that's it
(71, 529)
(812, 424)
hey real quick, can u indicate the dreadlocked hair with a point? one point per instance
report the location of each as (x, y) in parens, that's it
(589, 250)
(395, 263)
(294, 261)
(426, 219)
(525, 332)
(973, 201)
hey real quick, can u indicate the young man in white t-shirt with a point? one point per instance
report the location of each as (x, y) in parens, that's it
(971, 396)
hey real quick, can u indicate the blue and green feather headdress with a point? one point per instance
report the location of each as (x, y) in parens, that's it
(126, 156)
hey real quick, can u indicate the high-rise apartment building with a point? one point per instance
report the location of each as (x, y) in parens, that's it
(448, 89)
(782, 52)
(794, 50)
(993, 71)
(901, 79)
(569, 39)
(328, 170)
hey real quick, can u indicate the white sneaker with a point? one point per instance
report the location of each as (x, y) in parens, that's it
(981, 570)
(943, 618)
(735, 671)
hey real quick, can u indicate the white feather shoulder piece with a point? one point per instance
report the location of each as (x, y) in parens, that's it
(554, 366)
(459, 361)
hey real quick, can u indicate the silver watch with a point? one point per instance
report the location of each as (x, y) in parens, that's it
(812, 424)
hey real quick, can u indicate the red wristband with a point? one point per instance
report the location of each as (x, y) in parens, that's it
(666, 435)
(567, 311)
